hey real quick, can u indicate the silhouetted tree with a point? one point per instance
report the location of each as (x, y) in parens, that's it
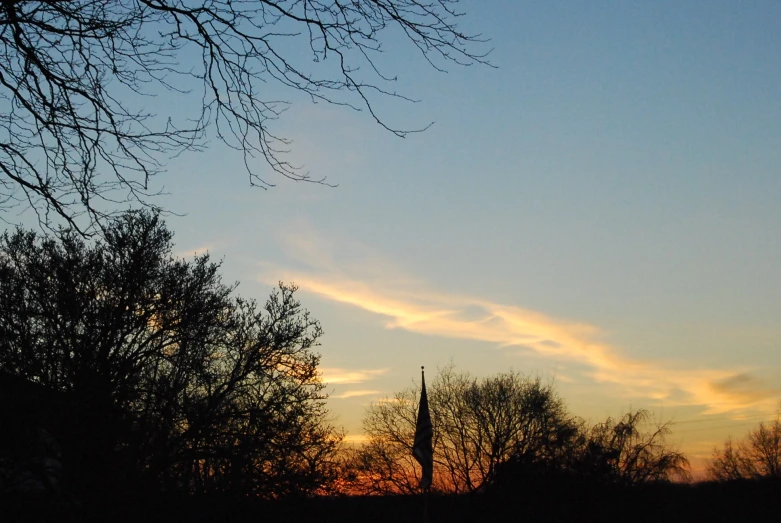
(380, 466)
(170, 377)
(757, 456)
(76, 131)
(620, 451)
(479, 424)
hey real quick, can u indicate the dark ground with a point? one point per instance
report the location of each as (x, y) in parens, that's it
(749, 501)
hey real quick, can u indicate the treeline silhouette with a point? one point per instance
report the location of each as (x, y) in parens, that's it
(501, 429)
(757, 456)
(126, 369)
(135, 385)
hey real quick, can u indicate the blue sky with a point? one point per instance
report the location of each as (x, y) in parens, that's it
(603, 207)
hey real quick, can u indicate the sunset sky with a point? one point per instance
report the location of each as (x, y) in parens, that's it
(603, 209)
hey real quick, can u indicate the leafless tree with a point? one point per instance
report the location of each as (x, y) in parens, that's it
(385, 463)
(504, 430)
(729, 463)
(621, 451)
(169, 380)
(76, 137)
(479, 424)
(758, 456)
(486, 423)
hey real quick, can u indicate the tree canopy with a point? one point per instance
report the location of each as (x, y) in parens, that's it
(76, 133)
(504, 430)
(757, 456)
(479, 424)
(165, 377)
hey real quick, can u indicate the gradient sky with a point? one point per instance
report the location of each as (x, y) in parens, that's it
(603, 207)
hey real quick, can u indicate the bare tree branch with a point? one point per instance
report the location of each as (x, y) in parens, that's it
(75, 140)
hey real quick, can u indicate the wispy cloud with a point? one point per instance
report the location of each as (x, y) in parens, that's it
(745, 387)
(356, 393)
(409, 305)
(335, 376)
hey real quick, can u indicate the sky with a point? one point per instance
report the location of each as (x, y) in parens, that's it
(600, 209)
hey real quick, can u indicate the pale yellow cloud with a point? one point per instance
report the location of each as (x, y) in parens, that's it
(335, 376)
(355, 394)
(564, 379)
(454, 316)
(367, 282)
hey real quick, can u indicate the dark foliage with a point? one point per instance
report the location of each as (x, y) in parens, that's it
(163, 376)
(624, 452)
(621, 451)
(542, 502)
